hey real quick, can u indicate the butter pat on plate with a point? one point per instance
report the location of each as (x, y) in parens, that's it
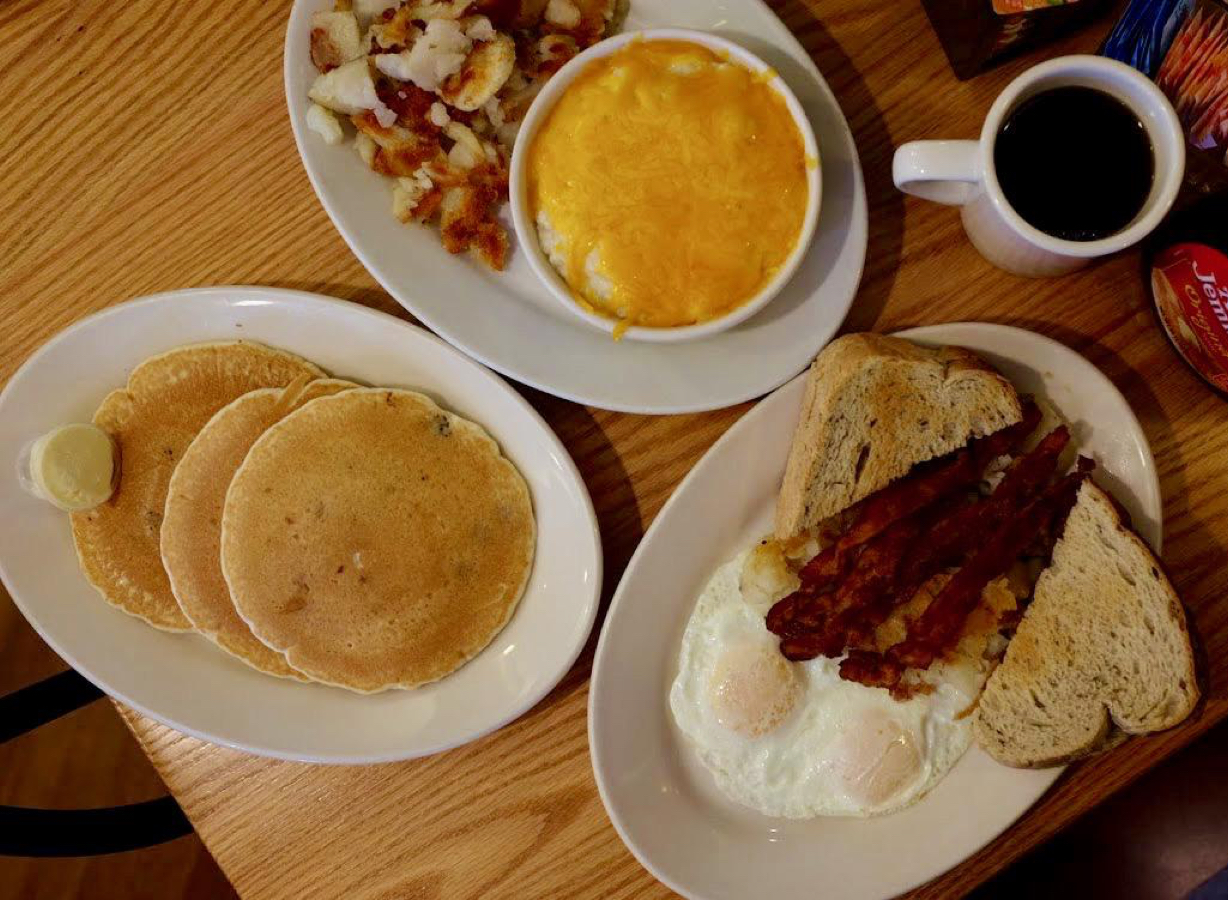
(72, 467)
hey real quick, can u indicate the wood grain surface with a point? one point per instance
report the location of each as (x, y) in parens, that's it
(146, 148)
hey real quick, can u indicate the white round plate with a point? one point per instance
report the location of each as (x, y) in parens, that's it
(185, 681)
(660, 798)
(506, 319)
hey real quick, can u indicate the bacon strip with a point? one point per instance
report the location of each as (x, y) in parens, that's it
(871, 669)
(871, 577)
(877, 512)
(940, 625)
(850, 620)
(938, 628)
(806, 608)
(925, 484)
(954, 536)
(871, 586)
(784, 612)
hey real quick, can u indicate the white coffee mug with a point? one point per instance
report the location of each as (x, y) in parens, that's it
(962, 173)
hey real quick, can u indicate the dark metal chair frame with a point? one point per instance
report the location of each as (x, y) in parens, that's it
(75, 832)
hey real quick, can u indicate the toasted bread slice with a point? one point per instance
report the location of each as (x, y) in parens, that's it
(875, 406)
(1103, 649)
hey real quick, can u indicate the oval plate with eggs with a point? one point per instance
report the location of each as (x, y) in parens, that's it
(662, 800)
(186, 682)
(504, 319)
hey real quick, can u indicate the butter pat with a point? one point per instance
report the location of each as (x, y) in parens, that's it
(73, 467)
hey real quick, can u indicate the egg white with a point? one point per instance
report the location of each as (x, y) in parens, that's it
(793, 739)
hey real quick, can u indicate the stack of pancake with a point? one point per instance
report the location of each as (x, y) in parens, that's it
(315, 529)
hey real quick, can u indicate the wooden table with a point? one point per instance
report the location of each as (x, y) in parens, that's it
(146, 147)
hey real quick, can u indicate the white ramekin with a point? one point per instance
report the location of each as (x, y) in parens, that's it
(526, 227)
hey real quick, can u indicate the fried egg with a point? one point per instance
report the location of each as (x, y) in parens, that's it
(793, 739)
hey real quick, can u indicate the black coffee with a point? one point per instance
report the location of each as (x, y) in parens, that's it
(1075, 163)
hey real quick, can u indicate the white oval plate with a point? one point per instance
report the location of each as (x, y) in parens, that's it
(185, 681)
(505, 319)
(660, 798)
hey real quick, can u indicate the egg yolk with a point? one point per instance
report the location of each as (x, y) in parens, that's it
(753, 690)
(675, 183)
(876, 760)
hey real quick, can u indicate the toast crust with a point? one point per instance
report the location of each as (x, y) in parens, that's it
(874, 407)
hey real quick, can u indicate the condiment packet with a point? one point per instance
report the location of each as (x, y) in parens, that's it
(1194, 75)
(1183, 45)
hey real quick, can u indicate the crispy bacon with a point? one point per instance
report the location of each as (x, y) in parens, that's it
(807, 608)
(877, 512)
(872, 576)
(927, 483)
(871, 579)
(953, 536)
(871, 669)
(804, 646)
(785, 610)
(938, 628)
(810, 614)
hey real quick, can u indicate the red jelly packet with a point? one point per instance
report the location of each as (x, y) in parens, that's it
(1189, 282)
(1010, 7)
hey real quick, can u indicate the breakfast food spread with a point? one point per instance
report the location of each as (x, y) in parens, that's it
(73, 467)
(191, 534)
(167, 400)
(943, 571)
(310, 527)
(929, 520)
(668, 184)
(389, 561)
(436, 91)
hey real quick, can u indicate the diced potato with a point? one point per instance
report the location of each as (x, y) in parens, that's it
(440, 52)
(335, 39)
(366, 148)
(460, 213)
(322, 121)
(490, 244)
(479, 28)
(563, 13)
(438, 115)
(348, 89)
(367, 11)
(766, 576)
(415, 198)
(484, 72)
(401, 152)
(447, 9)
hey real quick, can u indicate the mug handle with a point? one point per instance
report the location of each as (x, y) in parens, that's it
(943, 171)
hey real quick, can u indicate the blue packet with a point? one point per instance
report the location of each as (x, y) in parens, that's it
(1144, 33)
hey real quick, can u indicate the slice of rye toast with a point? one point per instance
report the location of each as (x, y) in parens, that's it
(874, 407)
(1103, 650)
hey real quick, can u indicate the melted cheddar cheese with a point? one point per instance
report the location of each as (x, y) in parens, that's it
(669, 184)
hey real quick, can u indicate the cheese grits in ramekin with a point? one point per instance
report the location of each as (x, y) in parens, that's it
(665, 185)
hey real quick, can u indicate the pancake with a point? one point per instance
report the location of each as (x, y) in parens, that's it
(377, 540)
(168, 399)
(192, 525)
